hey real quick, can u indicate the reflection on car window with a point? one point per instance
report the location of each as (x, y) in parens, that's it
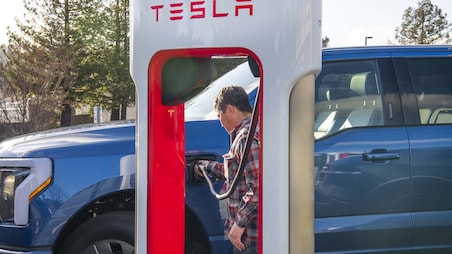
(432, 80)
(201, 106)
(347, 95)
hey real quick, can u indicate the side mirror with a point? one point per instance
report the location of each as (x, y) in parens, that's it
(254, 67)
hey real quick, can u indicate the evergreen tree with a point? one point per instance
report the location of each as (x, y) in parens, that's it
(121, 89)
(104, 63)
(426, 24)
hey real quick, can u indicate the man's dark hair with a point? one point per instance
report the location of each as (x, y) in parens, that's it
(235, 96)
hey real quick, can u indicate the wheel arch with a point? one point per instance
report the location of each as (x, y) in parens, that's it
(117, 201)
(125, 200)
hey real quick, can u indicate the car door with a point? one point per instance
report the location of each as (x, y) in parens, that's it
(430, 136)
(362, 174)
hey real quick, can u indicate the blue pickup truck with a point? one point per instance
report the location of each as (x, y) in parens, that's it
(382, 165)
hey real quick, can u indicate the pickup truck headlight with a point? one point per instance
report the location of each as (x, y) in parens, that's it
(21, 179)
(9, 180)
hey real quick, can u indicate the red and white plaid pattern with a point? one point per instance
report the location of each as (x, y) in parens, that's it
(243, 203)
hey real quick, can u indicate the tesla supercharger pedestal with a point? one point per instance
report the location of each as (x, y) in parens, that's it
(173, 40)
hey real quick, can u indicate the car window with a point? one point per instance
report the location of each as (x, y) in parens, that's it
(347, 95)
(432, 80)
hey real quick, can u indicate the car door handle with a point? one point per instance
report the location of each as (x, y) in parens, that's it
(379, 156)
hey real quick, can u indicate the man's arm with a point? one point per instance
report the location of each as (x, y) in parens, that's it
(213, 167)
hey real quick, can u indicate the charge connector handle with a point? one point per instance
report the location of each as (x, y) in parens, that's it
(203, 170)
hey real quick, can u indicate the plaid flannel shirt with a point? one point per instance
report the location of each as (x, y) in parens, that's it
(243, 203)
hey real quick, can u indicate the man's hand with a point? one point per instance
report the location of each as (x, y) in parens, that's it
(196, 168)
(235, 236)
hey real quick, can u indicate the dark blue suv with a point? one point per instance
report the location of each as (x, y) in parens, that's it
(383, 149)
(383, 165)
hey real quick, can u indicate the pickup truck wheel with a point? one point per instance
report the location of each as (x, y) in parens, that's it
(193, 246)
(111, 233)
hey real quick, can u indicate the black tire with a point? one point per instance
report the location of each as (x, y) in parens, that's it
(111, 233)
(193, 246)
(195, 239)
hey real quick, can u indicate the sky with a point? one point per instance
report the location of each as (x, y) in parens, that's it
(345, 22)
(348, 22)
(8, 11)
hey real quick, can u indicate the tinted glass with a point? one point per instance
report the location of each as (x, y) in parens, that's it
(347, 95)
(432, 79)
